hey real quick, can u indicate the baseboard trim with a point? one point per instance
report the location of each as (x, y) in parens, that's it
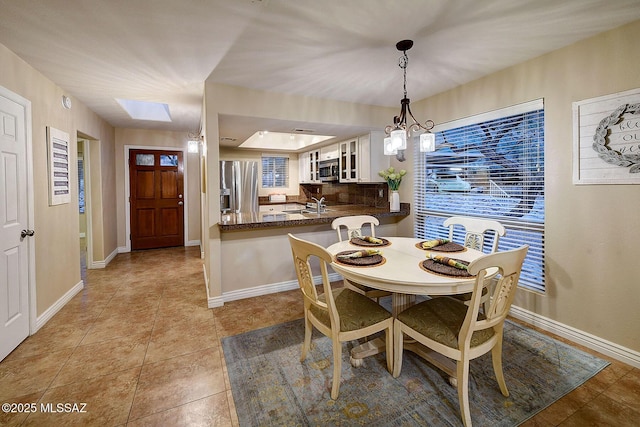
(53, 309)
(262, 290)
(103, 264)
(593, 342)
(259, 290)
(125, 249)
(212, 302)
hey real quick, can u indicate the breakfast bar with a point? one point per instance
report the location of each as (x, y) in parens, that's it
(230, 222)
(255, 253)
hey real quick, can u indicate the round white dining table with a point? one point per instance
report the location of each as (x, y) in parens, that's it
(402, 275)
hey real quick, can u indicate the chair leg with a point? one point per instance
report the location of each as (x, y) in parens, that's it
(306, 345)
(397, 348)
(496, 358)
(462, 369)
(389, 347)
(337, 368)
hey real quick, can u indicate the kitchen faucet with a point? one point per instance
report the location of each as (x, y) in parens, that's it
(319, 203)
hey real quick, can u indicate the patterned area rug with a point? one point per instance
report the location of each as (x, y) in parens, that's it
(272, 388)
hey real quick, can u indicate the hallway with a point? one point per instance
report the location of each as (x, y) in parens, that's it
(140, 347)
(138, 343)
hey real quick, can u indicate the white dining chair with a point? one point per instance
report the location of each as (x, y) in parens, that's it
(476, 233)
(341, 314)
(461, 332)
(352, 226)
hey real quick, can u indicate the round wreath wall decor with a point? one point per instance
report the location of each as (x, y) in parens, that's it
(601, 139)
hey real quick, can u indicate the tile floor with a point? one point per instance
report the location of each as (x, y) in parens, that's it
(140, 347)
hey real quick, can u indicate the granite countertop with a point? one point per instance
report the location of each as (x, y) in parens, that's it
(259, 220)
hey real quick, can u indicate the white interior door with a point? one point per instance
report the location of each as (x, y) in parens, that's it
(14, 251)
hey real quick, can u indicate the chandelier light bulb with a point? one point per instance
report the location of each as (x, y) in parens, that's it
(399, 139)
(388, 147)
(427, 142)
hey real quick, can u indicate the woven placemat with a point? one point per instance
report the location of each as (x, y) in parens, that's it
(443, 269)
(367, 261)
(361, 242)
(447, 247)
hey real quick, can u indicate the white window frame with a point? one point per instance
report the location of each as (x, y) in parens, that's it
(271, 168)
(428, 217)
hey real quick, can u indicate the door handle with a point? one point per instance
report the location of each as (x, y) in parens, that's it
(181, 203)
(25, 233)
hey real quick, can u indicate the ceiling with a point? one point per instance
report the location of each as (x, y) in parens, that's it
(164, 50)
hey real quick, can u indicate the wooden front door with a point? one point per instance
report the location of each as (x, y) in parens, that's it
(156, 198)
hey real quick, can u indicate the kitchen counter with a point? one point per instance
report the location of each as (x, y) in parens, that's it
(260, 220)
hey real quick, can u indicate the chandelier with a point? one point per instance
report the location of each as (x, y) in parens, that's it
(398, 133)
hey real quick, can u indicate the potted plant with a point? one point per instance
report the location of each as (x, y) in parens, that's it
(393, 179)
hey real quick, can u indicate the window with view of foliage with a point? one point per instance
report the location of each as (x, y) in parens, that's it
(489, 166)
(275, 172)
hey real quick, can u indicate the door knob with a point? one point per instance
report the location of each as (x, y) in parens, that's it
(25, 233)
(181, 203)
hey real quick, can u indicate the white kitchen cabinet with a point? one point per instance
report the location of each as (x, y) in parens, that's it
(371, 158)
(280, 208)
(330, 152)
(362, 158)
(304, 171)
(272, 208)
(309, 167)
(348, 160)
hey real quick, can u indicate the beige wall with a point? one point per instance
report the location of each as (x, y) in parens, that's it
(57, 250)
(592, 231)
(164, 139)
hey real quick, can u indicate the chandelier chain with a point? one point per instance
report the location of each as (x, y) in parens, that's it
(403, 62)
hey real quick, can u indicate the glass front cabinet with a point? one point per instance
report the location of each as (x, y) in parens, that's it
(362, 158)
(348, 160)
(309, 163)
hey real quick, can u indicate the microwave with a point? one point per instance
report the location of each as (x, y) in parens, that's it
(328, 170)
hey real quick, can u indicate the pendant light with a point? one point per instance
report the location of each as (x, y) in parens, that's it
(400, 131)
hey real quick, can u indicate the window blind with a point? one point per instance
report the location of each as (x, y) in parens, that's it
(275, 171)
(81, 185)
(489, 166)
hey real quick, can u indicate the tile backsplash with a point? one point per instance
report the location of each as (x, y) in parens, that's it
(375, 195)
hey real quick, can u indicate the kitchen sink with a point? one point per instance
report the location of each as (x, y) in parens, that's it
(314, 211)
(305, 211)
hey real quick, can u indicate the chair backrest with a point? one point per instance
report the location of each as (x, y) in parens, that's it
(476, 231)
(354, 224)
(303, 251)
(509, 264)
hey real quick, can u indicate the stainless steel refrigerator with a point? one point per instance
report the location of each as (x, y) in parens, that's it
(238, 186)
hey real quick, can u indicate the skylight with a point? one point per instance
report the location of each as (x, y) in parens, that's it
(143, 110)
